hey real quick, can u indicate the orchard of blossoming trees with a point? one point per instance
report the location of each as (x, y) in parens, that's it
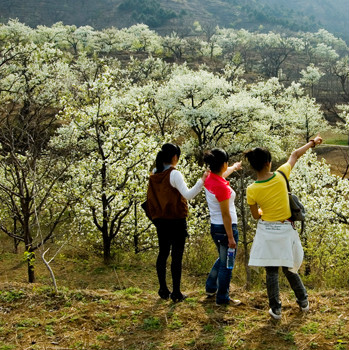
(83, 112)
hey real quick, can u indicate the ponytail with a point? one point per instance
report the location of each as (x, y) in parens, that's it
(168, 150)
(159, 162)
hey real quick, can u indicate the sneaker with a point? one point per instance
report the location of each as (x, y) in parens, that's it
(234, 302)
(210, 295)
(305, 308)
(225, 303)
(276, 314)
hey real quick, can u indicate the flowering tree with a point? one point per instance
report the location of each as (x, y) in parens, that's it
(310, 77)
(111, 116)
(296, 113)
(32, 80)
(325, 197)
(147, 72)
(274, 50)
(107, 130)
(139, 38)
(15, 32)
(323, 36)
(197, 99)
(174, 46)
(325, 56)
(341, 70)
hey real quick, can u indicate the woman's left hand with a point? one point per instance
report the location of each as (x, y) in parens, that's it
(231, 243)
(237, 166)
(205, 174)
(317, 140)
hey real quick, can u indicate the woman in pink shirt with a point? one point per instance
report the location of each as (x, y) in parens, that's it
(220, 199)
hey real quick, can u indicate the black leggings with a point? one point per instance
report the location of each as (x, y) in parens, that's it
(171, 234)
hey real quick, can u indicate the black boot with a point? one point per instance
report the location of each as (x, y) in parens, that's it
(164, 293)
(177, 297)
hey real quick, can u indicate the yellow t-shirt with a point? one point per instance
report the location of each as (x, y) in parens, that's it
(271, 195)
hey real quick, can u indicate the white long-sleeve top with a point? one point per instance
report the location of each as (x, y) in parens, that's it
(177, 181)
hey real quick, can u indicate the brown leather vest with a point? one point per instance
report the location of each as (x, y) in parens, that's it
(165, 201)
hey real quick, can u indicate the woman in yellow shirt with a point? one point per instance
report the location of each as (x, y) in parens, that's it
(276, 242)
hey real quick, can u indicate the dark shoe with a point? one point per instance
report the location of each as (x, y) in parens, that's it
(304, 306)
(226, 303)
(164, 293)
(234, 302)
(178, 297)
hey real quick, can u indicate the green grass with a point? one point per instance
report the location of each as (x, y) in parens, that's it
(7, 347)
(331, 138)
(151, 323)
(11, 296)
(310, 328)
(337, 142)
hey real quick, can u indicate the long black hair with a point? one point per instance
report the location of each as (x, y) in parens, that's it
(215, 159)
(258, 158)
(168, 150)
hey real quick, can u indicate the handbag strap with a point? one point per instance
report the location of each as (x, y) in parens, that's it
(289, 190)
(288, 185)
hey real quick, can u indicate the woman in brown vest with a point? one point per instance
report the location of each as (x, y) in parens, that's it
(167, 204)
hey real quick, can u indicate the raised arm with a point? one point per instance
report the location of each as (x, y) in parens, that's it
(236, 166)
(296, 154)
(177, 181)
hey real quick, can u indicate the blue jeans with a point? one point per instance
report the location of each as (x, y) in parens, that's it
(219, 277)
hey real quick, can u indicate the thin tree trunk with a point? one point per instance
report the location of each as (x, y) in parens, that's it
(30, 261)
(47, 264)
(106, 247)
(136, 235)
(306, 260)
(244, 230)
(29, 249)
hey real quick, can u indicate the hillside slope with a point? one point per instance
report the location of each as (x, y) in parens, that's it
(116, 307)
(31, 317)
(168, 15)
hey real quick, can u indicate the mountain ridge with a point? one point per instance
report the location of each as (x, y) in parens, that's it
(166, 16)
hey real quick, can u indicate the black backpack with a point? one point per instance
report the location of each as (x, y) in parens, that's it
(297, 208)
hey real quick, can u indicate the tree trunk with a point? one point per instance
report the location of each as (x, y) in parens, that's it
(15, 245)
(306, 261)
(30, 261)
(106, 248)
(244, 230)
(105, 227)
(28, 241)
(47, 264)
(15, 240)
(136, 235)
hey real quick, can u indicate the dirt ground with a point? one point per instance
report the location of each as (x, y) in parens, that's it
(117, 308)
(336, 156)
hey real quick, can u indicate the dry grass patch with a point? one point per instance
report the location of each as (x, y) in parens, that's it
(31, 317)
